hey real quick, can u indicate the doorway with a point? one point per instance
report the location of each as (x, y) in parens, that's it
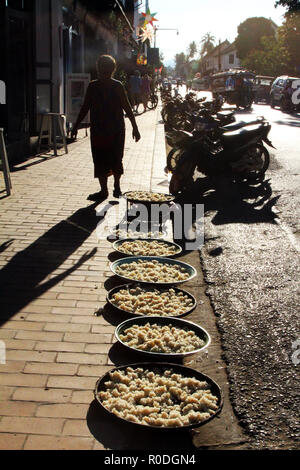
(19, 81)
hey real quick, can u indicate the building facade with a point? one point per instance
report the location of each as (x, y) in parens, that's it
(44, 40)
(222, 57)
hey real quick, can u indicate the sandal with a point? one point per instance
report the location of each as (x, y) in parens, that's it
(117, 192)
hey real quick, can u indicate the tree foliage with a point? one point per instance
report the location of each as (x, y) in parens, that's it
(207, 44)
(180, 62)
(270, 60)
(279, 54)
(192, 50)
(289, 34)
(291, 5)
(250, 34)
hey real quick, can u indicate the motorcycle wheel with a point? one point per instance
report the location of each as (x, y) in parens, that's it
(153, 102)
(173, 158)
(179, 183)
(259, 156)
(182, 169)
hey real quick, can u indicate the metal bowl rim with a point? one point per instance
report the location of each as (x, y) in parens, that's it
(148, 202)
(164, 365)
(149, 258)
(155, 286)
(158, 354)
(123, 240)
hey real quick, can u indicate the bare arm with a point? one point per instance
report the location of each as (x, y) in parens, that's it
(128, 110)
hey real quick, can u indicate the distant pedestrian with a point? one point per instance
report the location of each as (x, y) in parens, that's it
(239, 85)
(135, 83)
(145, 90)
(229, 84)
(107, 100)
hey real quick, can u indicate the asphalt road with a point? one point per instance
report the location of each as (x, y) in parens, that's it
(250, 261)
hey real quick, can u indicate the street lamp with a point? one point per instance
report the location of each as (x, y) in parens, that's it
(163, 29)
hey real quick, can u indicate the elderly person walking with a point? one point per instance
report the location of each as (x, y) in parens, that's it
(106, 100)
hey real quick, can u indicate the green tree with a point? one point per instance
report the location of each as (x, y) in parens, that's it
(207, 44)
(192, 50)
(250, 33)
(180, 63)
(291, 5)
(289, 34)
(271, 59)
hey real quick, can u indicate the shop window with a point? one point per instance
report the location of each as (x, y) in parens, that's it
(25, 5)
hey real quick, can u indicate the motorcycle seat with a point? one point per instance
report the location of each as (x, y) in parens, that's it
(225, 114)
(242, 135)
(234, 126)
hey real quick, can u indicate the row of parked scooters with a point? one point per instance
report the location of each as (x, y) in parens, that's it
(207, 138)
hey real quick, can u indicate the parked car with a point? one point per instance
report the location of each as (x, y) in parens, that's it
(262, 87)
(277, 96)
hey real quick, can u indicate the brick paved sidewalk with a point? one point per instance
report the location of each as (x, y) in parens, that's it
(55, 269)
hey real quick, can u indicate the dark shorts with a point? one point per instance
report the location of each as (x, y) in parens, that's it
(107, 152)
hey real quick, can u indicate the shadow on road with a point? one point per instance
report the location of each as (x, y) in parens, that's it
(233, 202)
(289, 122)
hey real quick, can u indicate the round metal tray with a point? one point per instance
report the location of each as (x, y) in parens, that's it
(191, 270)
(115, 290)
(177, 322)
(140, 201)
(117, 245)
(156, 367)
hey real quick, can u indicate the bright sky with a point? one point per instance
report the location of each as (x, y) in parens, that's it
(194, 18)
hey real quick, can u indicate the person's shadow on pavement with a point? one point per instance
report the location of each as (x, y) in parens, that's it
(26, 276)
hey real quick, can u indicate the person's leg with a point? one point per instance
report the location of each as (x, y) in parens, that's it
(103, 184)
(101, 195)
(117, 189)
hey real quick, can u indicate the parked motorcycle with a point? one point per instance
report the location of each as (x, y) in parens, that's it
(182, 113)
(239, 151)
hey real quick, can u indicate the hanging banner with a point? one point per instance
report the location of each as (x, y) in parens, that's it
(146, 33)
(76, 86)
(149, 17)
